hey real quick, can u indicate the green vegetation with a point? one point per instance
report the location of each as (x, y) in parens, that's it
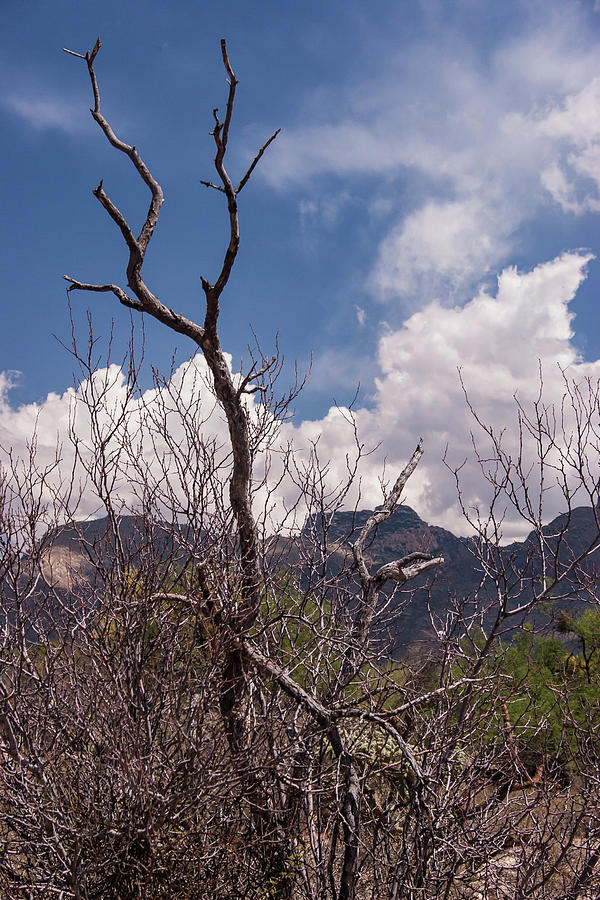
(550, 687)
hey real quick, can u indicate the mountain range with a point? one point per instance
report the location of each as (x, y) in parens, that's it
(68, 561)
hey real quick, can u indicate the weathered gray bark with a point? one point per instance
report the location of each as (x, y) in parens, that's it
(323, 712)
(207, 338)
(239, 651)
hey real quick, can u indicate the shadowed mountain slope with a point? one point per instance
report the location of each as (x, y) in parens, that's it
(73, 555)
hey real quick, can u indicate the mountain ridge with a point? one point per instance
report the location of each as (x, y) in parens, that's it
(68, 550)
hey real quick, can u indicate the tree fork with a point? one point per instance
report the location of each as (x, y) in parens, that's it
(207, 339)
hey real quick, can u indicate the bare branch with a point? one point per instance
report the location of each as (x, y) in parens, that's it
(119, 219)
(149, 304)
(255, 161)
(75, 285)
(383, 513)
(221, 137)
(253, 375)
(401, 571)
(233, 82)
(216, 187)
(321, 714)
(72, 53)
(130, 151)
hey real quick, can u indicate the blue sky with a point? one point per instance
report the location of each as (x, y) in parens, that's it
(426, 149)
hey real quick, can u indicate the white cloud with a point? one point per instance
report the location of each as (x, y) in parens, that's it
(325, 210)
(42, 110)
(146, 440)
(575, 181)
(556, 183)
(498, 341)
(441, 246)
(465, 149)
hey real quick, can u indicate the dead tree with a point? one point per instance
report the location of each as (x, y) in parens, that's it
(239, 623)
(192, 707)
(206, 337)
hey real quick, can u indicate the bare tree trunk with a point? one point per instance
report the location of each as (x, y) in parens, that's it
(207, 339)
(200, 718)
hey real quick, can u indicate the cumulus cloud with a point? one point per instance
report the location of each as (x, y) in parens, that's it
(498, 341)
(465, 149)
(443, 243)
(574, 182)
(155, 442)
